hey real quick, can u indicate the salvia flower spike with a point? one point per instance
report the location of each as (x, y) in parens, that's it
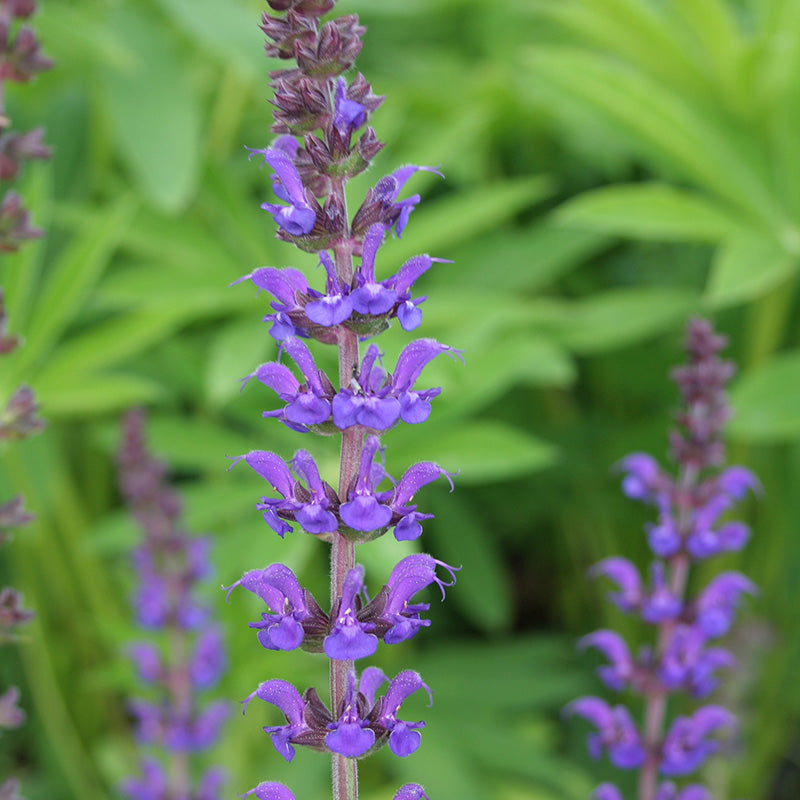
(324, 138)
(685, 656)
(21, 58)
(183, 653)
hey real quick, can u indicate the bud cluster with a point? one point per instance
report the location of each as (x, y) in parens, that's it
(20, 60)
(323, 138)
(185, 654)
(685, 657)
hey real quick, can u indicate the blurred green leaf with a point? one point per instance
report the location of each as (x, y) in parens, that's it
(88, 394)
(766, 402)
(481, 451)
(154, 110)
(228, 30)
(746, 267)
(621, 316)
(649, 211)
(464, 215)
(461, 540)
(69, 280)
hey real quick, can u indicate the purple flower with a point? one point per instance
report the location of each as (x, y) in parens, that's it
(208, 661)
(616, 732)
(336, 305)
(692, 791)
(643, 479)
(404, 737)
(411, 791)
(377, 401)
(286, 286)
(294, 610)
(285, 697)
(686, 745)
(347, 114)
(660, 604)
(270, 790)
(308, 506)
(396, 617)
(619, 673)
(688, 664)
(626, 576)
(349, 638)
(350, 735)
(152, 785)
(147, 660)
(606, 791)
(371, 297)
(716, 606)
(306, 405)
(299, 217)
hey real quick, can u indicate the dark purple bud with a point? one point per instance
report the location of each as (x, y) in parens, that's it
(15, 227)
(11, 715)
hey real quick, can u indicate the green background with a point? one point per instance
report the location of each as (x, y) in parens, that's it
(612, 166)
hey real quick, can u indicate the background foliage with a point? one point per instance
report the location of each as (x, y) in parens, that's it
(612, 166)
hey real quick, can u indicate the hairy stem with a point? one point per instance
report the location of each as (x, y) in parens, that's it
(344, 770)
(655, 708)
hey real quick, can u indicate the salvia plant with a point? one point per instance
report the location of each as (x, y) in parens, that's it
(20, 61)
(323, 140)
(684, 657)
(184, 653)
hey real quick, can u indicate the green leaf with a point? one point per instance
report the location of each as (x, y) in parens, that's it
(92, 394)
(155, 113)
(530, 258)
(620, 317)
(462, 540)
(481, 451)
(745, 267)
(69, 280)
(109, 342)
(228, 30)
(649, 211)
(765, 402)
(236, 351)
(463, 216)
(704, 146)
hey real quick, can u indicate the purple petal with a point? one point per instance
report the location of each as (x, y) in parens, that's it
(315, 520)
(270, 790)
(281, 694)
(627, 578)
(414, 358)
(606, 791)
(405, 684)
(281, 633)
(283, 284)
(373, 299)
(405, 739)
(365, 513)
(371, 680)
(414, 478)
(330, 310)
(270, 467)
(274, 376)
(378, 413)
(409, 315)
(411, 791)
(350, 739)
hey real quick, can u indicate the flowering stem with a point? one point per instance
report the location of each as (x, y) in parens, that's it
(343, 558)
(656, 703)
